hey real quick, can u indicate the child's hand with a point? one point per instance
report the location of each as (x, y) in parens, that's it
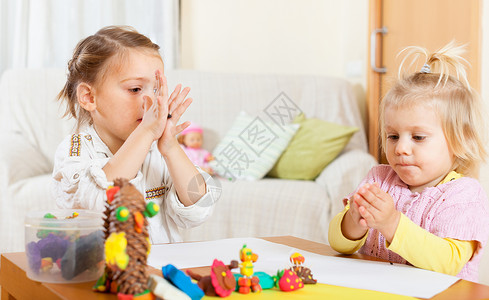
(377, 210)
(175, 105)
(356, 216)
(152, 117)
(352, 226)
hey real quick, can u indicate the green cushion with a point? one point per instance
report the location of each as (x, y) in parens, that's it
(312, 148)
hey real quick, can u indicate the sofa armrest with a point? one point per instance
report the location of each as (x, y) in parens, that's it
(23, 196)
(343, 175)
(25, 176)
(21, 159)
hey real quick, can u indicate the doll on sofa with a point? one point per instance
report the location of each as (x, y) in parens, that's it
(191, 140)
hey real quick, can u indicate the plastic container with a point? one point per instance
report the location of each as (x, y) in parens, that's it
(64, 246)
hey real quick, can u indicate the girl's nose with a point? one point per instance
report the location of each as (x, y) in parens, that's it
(403, 147)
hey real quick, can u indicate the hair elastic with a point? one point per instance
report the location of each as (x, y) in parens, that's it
(425, 69)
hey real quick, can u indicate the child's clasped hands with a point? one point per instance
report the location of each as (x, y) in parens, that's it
(371, 207)
(162, 113)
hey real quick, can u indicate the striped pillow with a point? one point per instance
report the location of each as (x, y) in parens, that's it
(251, 147)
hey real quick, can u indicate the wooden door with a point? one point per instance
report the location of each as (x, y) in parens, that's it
(427, 23)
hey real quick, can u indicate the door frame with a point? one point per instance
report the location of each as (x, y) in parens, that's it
(374, 82)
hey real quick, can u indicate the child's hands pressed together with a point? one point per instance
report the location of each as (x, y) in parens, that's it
(172, 108)
(352, 227)
(153, 118)
(377, 210)
(356, 217)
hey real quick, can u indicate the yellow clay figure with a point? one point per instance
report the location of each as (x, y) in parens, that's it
(248, 281)
(115, 250)
(246, 268)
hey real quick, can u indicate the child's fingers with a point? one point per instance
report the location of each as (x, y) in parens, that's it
(370, 193)
(162, 109)
(354, 210)
(174, 94)
(365, 213)
(354, 206)
(182, 127)
(357, 216)
(383, 199)
(178, 112)
(377, 191)
(148, 103)
(363, 223)
(180, 98)
(164, 87)
(360, 200)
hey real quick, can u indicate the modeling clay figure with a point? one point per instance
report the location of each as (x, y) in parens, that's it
(287, 281)
(248, 281)
(304, 273)
(183, 282)
(220, 282)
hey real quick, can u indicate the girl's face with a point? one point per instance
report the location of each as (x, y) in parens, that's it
(416, 146)
(193, 140)
(119, 98)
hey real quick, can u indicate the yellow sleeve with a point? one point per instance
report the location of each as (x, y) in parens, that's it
(338, 241)
(428, 251)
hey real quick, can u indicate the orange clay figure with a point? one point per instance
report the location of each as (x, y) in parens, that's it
(247, 258)
(297, 259)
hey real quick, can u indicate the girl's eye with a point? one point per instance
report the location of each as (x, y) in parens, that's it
(135, 90)
(392, 137)
(418, 137)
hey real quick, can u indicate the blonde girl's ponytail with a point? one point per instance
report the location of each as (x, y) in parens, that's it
(446, 61)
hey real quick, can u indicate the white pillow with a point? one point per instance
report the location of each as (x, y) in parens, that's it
(251, 147)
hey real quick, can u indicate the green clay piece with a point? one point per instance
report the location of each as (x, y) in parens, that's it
(266, 281)
(143, 293)
(122, 214)
(150, 210)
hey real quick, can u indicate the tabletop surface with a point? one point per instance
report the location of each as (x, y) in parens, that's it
(16, 285)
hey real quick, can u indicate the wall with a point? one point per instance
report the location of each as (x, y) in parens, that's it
(323, 37)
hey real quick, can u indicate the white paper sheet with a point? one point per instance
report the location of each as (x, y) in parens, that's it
(347, 272)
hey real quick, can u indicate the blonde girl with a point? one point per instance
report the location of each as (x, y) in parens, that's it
(424, 208)
(126, 127)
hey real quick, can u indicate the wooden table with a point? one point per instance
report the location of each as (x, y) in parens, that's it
(16, 285)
